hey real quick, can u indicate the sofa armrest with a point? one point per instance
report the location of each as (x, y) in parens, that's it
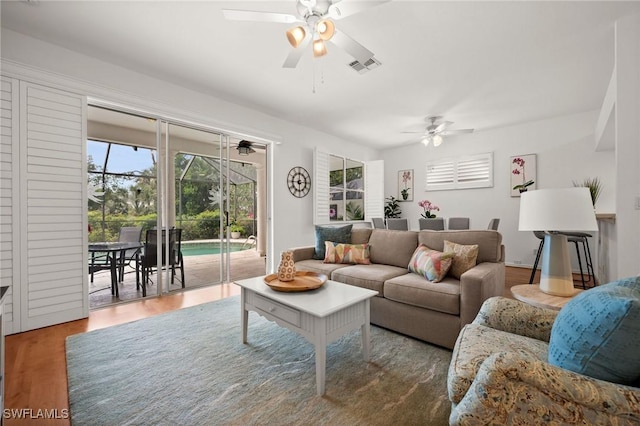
(303, 253)
(479, 283)
(514, 316)
(513, 388)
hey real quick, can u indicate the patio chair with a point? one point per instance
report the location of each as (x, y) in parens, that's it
(148, 259)
(128, 234)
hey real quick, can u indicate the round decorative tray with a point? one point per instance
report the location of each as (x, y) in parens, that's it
(304, 281)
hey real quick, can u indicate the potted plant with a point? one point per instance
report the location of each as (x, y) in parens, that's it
(392, 208)
(427, 206)
(236, 230)
(595, 188)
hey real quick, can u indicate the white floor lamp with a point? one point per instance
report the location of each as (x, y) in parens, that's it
(555, 211)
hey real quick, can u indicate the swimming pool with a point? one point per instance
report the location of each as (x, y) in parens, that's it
(199, 249)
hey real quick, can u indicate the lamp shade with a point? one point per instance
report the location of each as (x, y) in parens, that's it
(319, 49)
(325, 29)
(558, 209)
(295, 36)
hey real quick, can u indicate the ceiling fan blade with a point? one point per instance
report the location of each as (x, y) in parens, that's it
(352, 47)
(294, 56)
(422, 131)
(440, 127)
(455, 132)
(342, 9)
(250, 15)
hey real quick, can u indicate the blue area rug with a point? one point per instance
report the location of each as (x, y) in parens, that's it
(189, 367)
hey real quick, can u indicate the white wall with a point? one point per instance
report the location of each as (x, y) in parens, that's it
(292, 217)
(565, 152)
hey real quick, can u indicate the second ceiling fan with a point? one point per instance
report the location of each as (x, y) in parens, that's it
(437, 129)
(316, 25)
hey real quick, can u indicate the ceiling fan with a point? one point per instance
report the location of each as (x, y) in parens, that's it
(316, 25)
(245, 147)
(437, 129)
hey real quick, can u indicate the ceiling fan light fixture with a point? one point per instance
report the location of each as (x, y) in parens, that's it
(295, 36)
(325, 29)
(319, 48)
(437, 140)
(244, 148)
(425, 140)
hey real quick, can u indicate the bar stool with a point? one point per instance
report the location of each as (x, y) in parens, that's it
(576, 238)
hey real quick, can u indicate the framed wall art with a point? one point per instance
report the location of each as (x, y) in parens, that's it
(522, 169)
(405, 185)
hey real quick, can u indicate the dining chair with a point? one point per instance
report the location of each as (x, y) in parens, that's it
(378, 223)
(458, 223)
(398, 224)
(435, 224)
(493, 224)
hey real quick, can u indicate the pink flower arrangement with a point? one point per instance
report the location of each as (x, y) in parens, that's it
(428, 207)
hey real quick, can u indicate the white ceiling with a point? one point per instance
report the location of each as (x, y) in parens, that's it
(479, 64)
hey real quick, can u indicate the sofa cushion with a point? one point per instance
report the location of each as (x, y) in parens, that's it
(596, 333)
(318, 266)
(337, 234)
(368, 276)
(475, 344)
(464, 257)
(360, 235)
(413, 289)
(346, 253)
(489, 242)
(392, 247)
(431, 264)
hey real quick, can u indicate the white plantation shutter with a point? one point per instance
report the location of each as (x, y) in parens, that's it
(472, 171)
(53, 203)
(320, 186)
(374, 189)
(9, 192)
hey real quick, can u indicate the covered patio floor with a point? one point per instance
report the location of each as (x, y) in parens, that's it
(199, 271)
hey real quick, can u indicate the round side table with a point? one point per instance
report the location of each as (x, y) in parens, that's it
(531, 294)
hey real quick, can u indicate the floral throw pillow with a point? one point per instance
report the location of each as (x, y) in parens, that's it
(346, 253)
(431, 264)
(464, 257)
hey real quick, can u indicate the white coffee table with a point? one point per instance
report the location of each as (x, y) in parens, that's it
(321, 316)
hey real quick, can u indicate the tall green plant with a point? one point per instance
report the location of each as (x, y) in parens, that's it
(392, 208)
(594, 185)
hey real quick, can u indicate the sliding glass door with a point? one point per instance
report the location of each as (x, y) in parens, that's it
(167, 181)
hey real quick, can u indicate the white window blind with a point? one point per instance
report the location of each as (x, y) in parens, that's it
(472, 171)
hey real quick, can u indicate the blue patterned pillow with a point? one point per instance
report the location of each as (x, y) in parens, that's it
(336, 234)
(596, 333)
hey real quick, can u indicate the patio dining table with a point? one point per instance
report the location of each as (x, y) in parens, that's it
(115, 252)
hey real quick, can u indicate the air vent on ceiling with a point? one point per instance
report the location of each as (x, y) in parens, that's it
(370, 64)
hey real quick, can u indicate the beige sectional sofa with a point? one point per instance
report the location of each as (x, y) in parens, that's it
(407, 302)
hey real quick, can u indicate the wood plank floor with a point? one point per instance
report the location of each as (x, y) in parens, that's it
(35, 362)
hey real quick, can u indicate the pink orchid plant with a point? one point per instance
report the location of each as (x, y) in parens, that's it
(428, 207)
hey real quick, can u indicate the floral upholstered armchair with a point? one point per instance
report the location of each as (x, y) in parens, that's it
(500, 375)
